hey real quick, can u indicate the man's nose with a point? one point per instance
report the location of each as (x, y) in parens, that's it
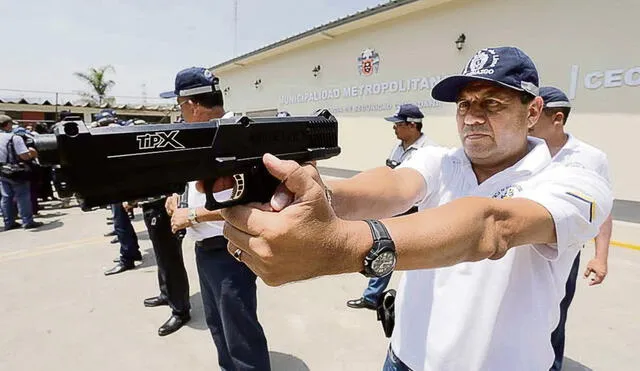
(475, 116)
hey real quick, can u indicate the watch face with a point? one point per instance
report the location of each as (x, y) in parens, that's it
(384, 263)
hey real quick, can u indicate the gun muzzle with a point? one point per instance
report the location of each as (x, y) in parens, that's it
(47, 147)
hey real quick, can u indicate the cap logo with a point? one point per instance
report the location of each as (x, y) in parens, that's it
(208, 74)
(482, 63)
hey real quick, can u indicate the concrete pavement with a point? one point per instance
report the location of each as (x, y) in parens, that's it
(59, 312)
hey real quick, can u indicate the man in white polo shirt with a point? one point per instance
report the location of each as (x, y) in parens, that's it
(489, 251)
(569, 150)
(407, 125)
(228, 287)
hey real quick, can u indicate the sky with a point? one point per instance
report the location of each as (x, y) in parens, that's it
(146, 41)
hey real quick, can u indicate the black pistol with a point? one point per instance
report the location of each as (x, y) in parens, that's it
(111, 164)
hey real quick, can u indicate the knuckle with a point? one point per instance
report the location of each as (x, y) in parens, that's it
(261, 249)
(271, 279)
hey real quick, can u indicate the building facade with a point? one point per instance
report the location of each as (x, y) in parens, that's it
(363, 66)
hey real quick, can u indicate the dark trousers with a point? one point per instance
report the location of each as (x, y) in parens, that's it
(129, 248)
(557, 337)
(172, 276)
(393, 363)
(228, 290)
(376, 288)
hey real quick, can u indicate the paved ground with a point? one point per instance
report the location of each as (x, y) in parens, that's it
(59, 312)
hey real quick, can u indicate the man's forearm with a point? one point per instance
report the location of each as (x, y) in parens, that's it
(376, 193)
(204, 215)
(464, 230)
(603, 239)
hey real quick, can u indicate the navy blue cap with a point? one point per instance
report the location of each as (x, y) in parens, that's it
(406, 113)
(554, 97)
(106, 114)
(193, 81)
(507, 66)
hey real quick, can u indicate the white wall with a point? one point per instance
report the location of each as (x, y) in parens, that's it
(595, 36)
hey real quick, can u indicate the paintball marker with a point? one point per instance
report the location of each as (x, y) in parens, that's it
(113, 164)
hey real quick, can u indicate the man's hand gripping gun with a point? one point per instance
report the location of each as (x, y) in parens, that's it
(113, 164)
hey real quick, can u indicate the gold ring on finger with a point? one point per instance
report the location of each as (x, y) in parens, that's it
(237, 254)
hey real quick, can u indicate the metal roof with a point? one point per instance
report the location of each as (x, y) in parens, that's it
(325, 27)
(69, 103)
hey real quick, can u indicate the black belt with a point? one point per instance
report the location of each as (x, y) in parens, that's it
(212, 243)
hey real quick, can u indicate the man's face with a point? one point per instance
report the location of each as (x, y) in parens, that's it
(545, 126)
(492, 122)
(187, 109)
(403, 130)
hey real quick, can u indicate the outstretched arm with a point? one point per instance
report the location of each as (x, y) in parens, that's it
(598, 265)
(306, 239)
(377, 193)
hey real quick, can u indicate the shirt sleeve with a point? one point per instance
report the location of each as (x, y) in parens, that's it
(579, 201)
(19, 146)
(603, 167)
(428, 162)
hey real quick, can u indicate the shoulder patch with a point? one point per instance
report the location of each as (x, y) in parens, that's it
(589, 202)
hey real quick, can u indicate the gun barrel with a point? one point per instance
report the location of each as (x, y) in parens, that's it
(47, 147)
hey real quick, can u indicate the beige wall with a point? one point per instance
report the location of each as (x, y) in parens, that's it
(592, 35)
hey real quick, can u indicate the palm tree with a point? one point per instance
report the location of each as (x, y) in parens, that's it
(96, 78)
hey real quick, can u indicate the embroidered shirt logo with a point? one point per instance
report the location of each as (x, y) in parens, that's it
(508, 192)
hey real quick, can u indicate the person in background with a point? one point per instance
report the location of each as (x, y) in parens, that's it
(12, 151)
(228, 287)
(569, 150)
(407, 125)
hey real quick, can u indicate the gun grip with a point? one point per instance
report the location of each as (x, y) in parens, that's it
(258, 185)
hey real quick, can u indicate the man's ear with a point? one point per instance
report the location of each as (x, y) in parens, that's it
(558, 118)
(534, 112)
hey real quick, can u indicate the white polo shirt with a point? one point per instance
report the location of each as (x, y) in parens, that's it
(578, 153)
(496, 314)
(399, 154)
(200, 231)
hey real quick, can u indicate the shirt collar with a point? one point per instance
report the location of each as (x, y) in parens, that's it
(417, 144)
(570, 145)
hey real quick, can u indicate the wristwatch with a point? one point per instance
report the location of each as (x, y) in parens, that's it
(381, 259)
(192, 216)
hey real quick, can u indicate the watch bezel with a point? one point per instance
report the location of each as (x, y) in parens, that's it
(192, 216)
(379, 247)
(379, 255)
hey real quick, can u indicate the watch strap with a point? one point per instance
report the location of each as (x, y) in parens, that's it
(378, 230)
